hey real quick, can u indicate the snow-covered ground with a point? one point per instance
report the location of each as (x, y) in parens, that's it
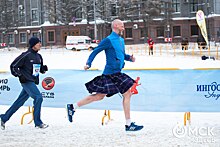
(160, 128)
(86, 130)
(164, 57)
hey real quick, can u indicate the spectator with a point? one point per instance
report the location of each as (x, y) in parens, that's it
(151, 46)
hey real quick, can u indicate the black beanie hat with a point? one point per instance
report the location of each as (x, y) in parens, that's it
(33, 41)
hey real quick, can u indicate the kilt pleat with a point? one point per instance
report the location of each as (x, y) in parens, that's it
(110, 84)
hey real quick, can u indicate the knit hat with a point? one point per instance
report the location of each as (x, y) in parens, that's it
(33, 41)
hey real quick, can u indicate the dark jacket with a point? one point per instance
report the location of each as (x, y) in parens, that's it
(28, 65)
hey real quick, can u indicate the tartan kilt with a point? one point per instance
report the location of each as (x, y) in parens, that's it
(110, 84)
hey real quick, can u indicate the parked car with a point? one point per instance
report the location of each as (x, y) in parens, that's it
(94, 44)
(185, 43)
(80, 43)
(95, 41)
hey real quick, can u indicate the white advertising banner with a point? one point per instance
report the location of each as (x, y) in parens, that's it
(160, 90)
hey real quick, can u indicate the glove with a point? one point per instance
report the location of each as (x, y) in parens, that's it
(36, 80)
(22, 79)
(45, 68)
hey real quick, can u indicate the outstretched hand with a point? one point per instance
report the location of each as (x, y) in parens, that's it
(86, 67)
(132, 58)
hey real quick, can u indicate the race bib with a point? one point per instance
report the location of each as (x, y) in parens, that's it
(36, 69)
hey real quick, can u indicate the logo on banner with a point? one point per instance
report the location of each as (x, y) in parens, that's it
(48, 83)
(212, 90)
(4, 85)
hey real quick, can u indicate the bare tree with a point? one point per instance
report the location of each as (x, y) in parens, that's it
(62, 11)
(7, 18)
(69, 10)
(145, 10)
(148, 11)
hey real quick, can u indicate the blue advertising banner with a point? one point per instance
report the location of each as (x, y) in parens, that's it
(160, 90)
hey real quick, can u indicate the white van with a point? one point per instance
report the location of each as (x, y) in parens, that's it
(79, 43)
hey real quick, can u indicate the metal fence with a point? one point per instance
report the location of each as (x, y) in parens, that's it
(174, 49)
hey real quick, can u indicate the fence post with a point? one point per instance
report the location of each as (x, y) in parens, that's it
(193, 49)
(160, 49)
(184, 50)
(209, 50)
(145, 50)
(200, 49)
(167, 49)
(30, 111)
(174, 49)
(187, 117)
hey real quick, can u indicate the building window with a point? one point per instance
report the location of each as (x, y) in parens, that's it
(218, 32)
(193, 5)
(128, 33)
(176, 31)
(34, 3)
(113, 10)
(23, 37)
(35, 34)
(137, 7)
(21, 13)
(51, 36)
(1, 19)
(176, 5)
(194, 30)
(34, 15)
(91, 33)
(160, 31)
(162, 10)
(11, 38)
(144, 34)
(79, 13)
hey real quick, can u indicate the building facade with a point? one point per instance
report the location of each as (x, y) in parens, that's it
(53, 20)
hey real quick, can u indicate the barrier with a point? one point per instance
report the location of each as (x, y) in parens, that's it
(174, 49)
(161, 90)
(187, 117)
(30, 111)
(106, 114)
(3, 71)
(3, 44)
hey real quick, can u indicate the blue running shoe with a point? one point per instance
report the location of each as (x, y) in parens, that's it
(133, 127)
(70, 112)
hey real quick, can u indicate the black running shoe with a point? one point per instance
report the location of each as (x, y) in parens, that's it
(2, 124)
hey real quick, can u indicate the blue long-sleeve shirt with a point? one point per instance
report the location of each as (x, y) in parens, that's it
(114, 48)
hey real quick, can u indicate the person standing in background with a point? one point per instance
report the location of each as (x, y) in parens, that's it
(151, 46)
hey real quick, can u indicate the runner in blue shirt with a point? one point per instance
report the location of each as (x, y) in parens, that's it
(112, 81)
